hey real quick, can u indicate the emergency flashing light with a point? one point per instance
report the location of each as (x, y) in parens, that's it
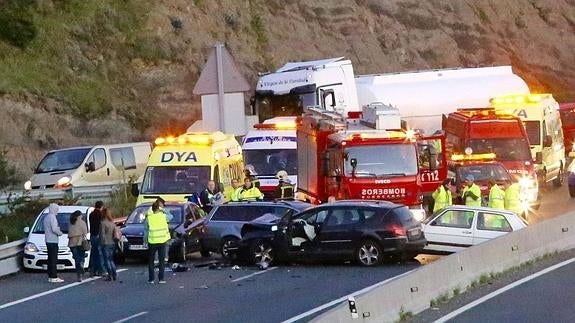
(160, 141)
(284, 125)
(170, 140)
(194, 140)
(517, 98)
(460, 157)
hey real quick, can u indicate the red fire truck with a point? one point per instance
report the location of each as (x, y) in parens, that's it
(364, 156)
(484, 131)
(567, 113)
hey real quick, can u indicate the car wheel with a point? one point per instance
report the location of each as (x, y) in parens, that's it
(262, 251)
(369, 253)
(558, 181)
(226, 243)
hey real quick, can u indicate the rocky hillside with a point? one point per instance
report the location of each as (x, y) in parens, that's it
(77, 71)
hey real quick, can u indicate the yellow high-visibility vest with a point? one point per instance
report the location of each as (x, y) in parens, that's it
(158, 230)
(496, 198)
(442, 198)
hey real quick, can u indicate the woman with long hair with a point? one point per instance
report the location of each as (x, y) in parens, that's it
(77, 231)
(107, 242)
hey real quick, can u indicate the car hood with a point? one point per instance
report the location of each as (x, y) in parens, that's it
(137, 229)
(50, 178)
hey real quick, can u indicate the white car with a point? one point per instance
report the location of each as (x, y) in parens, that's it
(35, 251)
(456, 227)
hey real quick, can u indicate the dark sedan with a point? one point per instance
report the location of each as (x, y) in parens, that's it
(364, 231)
(185, 222)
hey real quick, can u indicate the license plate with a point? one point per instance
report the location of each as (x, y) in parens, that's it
(414, 232)
(58, 267)
(137, 247)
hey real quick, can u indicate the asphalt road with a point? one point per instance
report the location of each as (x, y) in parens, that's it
(203, 294)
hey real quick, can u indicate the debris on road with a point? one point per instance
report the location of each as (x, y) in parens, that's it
(236, 267)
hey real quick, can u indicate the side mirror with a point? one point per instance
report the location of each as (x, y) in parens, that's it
(538, 157)
(135, 189)
(547, 141)
(90, 167)
(26, 229)
(433, 223)
(353, 163)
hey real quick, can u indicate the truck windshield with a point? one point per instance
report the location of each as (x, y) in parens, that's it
(175, 179)
(381, 160)
(269, 106)
(507, 149)
(62, 160)
(271, 161)
(533, 132)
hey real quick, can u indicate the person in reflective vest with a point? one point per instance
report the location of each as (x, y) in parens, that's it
(512, 199)
(250, 173)
(248, 192)
(284, 190)
(157, 234)
(231, 191)
(442, 195)
(471, 193)
(496, 196)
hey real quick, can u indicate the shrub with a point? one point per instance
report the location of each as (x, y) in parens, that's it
(8, 174)
(16, 23)
(23, 212)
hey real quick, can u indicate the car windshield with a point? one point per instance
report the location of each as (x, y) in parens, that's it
(63, 222)
(484, 173)
(269, 106)
(533, 132)
(271, 161)
(381, 160)
(62, 160)
(138, 216)
(508, 149)
(175, 179)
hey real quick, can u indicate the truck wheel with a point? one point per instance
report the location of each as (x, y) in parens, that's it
(572, 190)
(369, 253)
(558, 181)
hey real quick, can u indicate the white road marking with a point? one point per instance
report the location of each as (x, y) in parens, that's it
(130, 317)
(342, 299)
(48, 292)
(254, 274)
(502, 290)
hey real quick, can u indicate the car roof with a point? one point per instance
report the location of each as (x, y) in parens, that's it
(295, 203)
(477, 208)
(70, 208)
(375, 203)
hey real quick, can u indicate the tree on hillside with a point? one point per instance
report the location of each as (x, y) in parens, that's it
(8, 176)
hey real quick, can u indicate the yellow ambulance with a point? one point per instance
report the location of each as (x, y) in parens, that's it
(540, 115)
(181, 166)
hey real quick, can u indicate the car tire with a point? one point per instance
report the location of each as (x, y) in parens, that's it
(226, 243)
(369, 253)
(558, 181)
(572, 190)
(262, 251)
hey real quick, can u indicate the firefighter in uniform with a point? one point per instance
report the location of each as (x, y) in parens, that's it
(284, 190)
(513, 198)
(442, 196)
(248, 192)
(157, 234)
(471, 193)
(496, 196)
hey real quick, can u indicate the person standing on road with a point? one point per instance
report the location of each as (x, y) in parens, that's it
(52, 233)
(107, 243)
(471, 192)
(442, 195)
(284, 190)
(210, 196)
(96, 254)
(248, 192)
(157, 234)
(512, 199)
(77, 231)
(496, 196)
(250, 173)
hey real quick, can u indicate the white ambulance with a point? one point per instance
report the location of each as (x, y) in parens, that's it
(269, 148)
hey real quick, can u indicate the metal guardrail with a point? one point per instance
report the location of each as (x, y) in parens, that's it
(11, 257)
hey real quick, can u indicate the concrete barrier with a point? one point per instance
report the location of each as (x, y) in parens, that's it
(11, 257)
(414, 292)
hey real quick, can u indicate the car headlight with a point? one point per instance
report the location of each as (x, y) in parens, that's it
(418, 214)
(274, 228)
(63, 182)
(28, 185)
(30, 247)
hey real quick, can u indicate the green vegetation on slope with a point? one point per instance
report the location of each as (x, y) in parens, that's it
(74, 51)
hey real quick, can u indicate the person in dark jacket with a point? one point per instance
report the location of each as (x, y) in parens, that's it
(96, 256)
(210, 196)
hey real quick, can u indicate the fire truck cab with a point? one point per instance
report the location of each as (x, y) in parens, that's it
(364, 156)
(485, 131)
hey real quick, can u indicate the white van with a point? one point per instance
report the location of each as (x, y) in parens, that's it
(35, 251)
(81, 167)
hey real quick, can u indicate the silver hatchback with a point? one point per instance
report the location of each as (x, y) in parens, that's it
(222, 227)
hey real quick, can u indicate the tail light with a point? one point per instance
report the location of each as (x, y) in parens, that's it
(396, 230)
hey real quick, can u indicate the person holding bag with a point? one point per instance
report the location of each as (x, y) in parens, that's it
(77, 231)
(107, 228)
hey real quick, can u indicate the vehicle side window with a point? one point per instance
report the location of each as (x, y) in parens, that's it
(123, 158)
(455, 219)
(493, 222)
(315, 217)
(98, 157)
(344, 217)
